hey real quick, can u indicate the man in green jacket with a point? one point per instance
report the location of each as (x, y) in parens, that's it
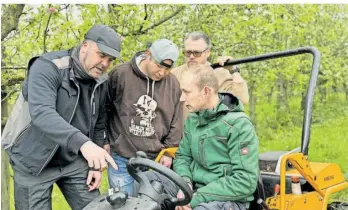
(218, 155)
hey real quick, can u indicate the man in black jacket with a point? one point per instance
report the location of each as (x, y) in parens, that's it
(62, 144)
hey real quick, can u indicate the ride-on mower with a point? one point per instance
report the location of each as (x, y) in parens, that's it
(287, 181)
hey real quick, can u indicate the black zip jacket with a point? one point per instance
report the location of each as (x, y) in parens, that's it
(52, 92)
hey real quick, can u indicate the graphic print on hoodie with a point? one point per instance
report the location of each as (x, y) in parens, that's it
(145, 112)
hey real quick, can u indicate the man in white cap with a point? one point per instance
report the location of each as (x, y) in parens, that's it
(145, 112)
(62, 142)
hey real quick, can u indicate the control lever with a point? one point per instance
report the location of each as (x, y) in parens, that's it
(116, 198)
(263, 204)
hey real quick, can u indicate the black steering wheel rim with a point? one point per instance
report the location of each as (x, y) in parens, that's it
(144, 182)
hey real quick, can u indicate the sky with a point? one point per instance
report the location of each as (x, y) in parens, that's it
(177, 1)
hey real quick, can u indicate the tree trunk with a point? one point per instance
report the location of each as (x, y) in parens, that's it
(5, 173)
(252, 104)
(282, 99)
(10, 14)
(303, 100)
(270, 94)
(345, 86)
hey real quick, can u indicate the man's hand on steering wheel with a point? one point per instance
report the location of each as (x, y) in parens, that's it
(181, 195)
(166, 161)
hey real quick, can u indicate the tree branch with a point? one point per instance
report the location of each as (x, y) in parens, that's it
(141, 27)
(160, 21)
(66, 7)
(9, 94)
(38, 31)
(99, 16)
(13, 67)
(14, 81)
(45, 33)
(134, 33)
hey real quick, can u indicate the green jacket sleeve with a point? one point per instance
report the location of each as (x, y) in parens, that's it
(241, 183)
(183, 157)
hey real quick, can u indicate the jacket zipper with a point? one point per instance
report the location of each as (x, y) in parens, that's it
(48, 159)
(201, 142)
(21, 133)
(77, 101)
(91, 131)
(56, 147)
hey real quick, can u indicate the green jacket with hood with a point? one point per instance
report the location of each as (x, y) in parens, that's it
(219, 153)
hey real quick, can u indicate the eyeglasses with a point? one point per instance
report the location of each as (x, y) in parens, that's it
(196, 54)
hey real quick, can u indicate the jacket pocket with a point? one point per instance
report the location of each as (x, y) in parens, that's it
(243, 147)
(222, 139)
(33, 151)
(18, 138)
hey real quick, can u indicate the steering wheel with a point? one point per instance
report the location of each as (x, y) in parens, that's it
(146, 188)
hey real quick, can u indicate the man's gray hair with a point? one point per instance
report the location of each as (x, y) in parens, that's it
(199, 35)
(205, 76)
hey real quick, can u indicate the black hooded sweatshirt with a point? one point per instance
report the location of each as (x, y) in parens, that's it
(144, 115)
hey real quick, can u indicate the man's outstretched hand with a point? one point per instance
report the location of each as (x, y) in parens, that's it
(97, 157)
(94, 180)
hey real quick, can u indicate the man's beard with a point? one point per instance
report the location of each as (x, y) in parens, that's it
(192, 63)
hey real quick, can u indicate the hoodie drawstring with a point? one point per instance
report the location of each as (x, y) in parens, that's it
(148, 86)
(153, 88)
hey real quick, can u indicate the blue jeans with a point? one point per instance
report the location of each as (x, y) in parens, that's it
(121, 178)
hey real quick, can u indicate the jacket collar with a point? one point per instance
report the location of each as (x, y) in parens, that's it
(227, 103)
(135, 67)
(99, 81)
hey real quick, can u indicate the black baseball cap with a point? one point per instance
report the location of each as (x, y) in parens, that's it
(106, 38)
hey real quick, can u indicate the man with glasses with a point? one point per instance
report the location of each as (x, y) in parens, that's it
(197, 51)
(144, 109)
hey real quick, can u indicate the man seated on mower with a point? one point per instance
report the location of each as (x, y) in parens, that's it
(218, 155)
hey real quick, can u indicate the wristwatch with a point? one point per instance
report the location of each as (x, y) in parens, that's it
(235, 69)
